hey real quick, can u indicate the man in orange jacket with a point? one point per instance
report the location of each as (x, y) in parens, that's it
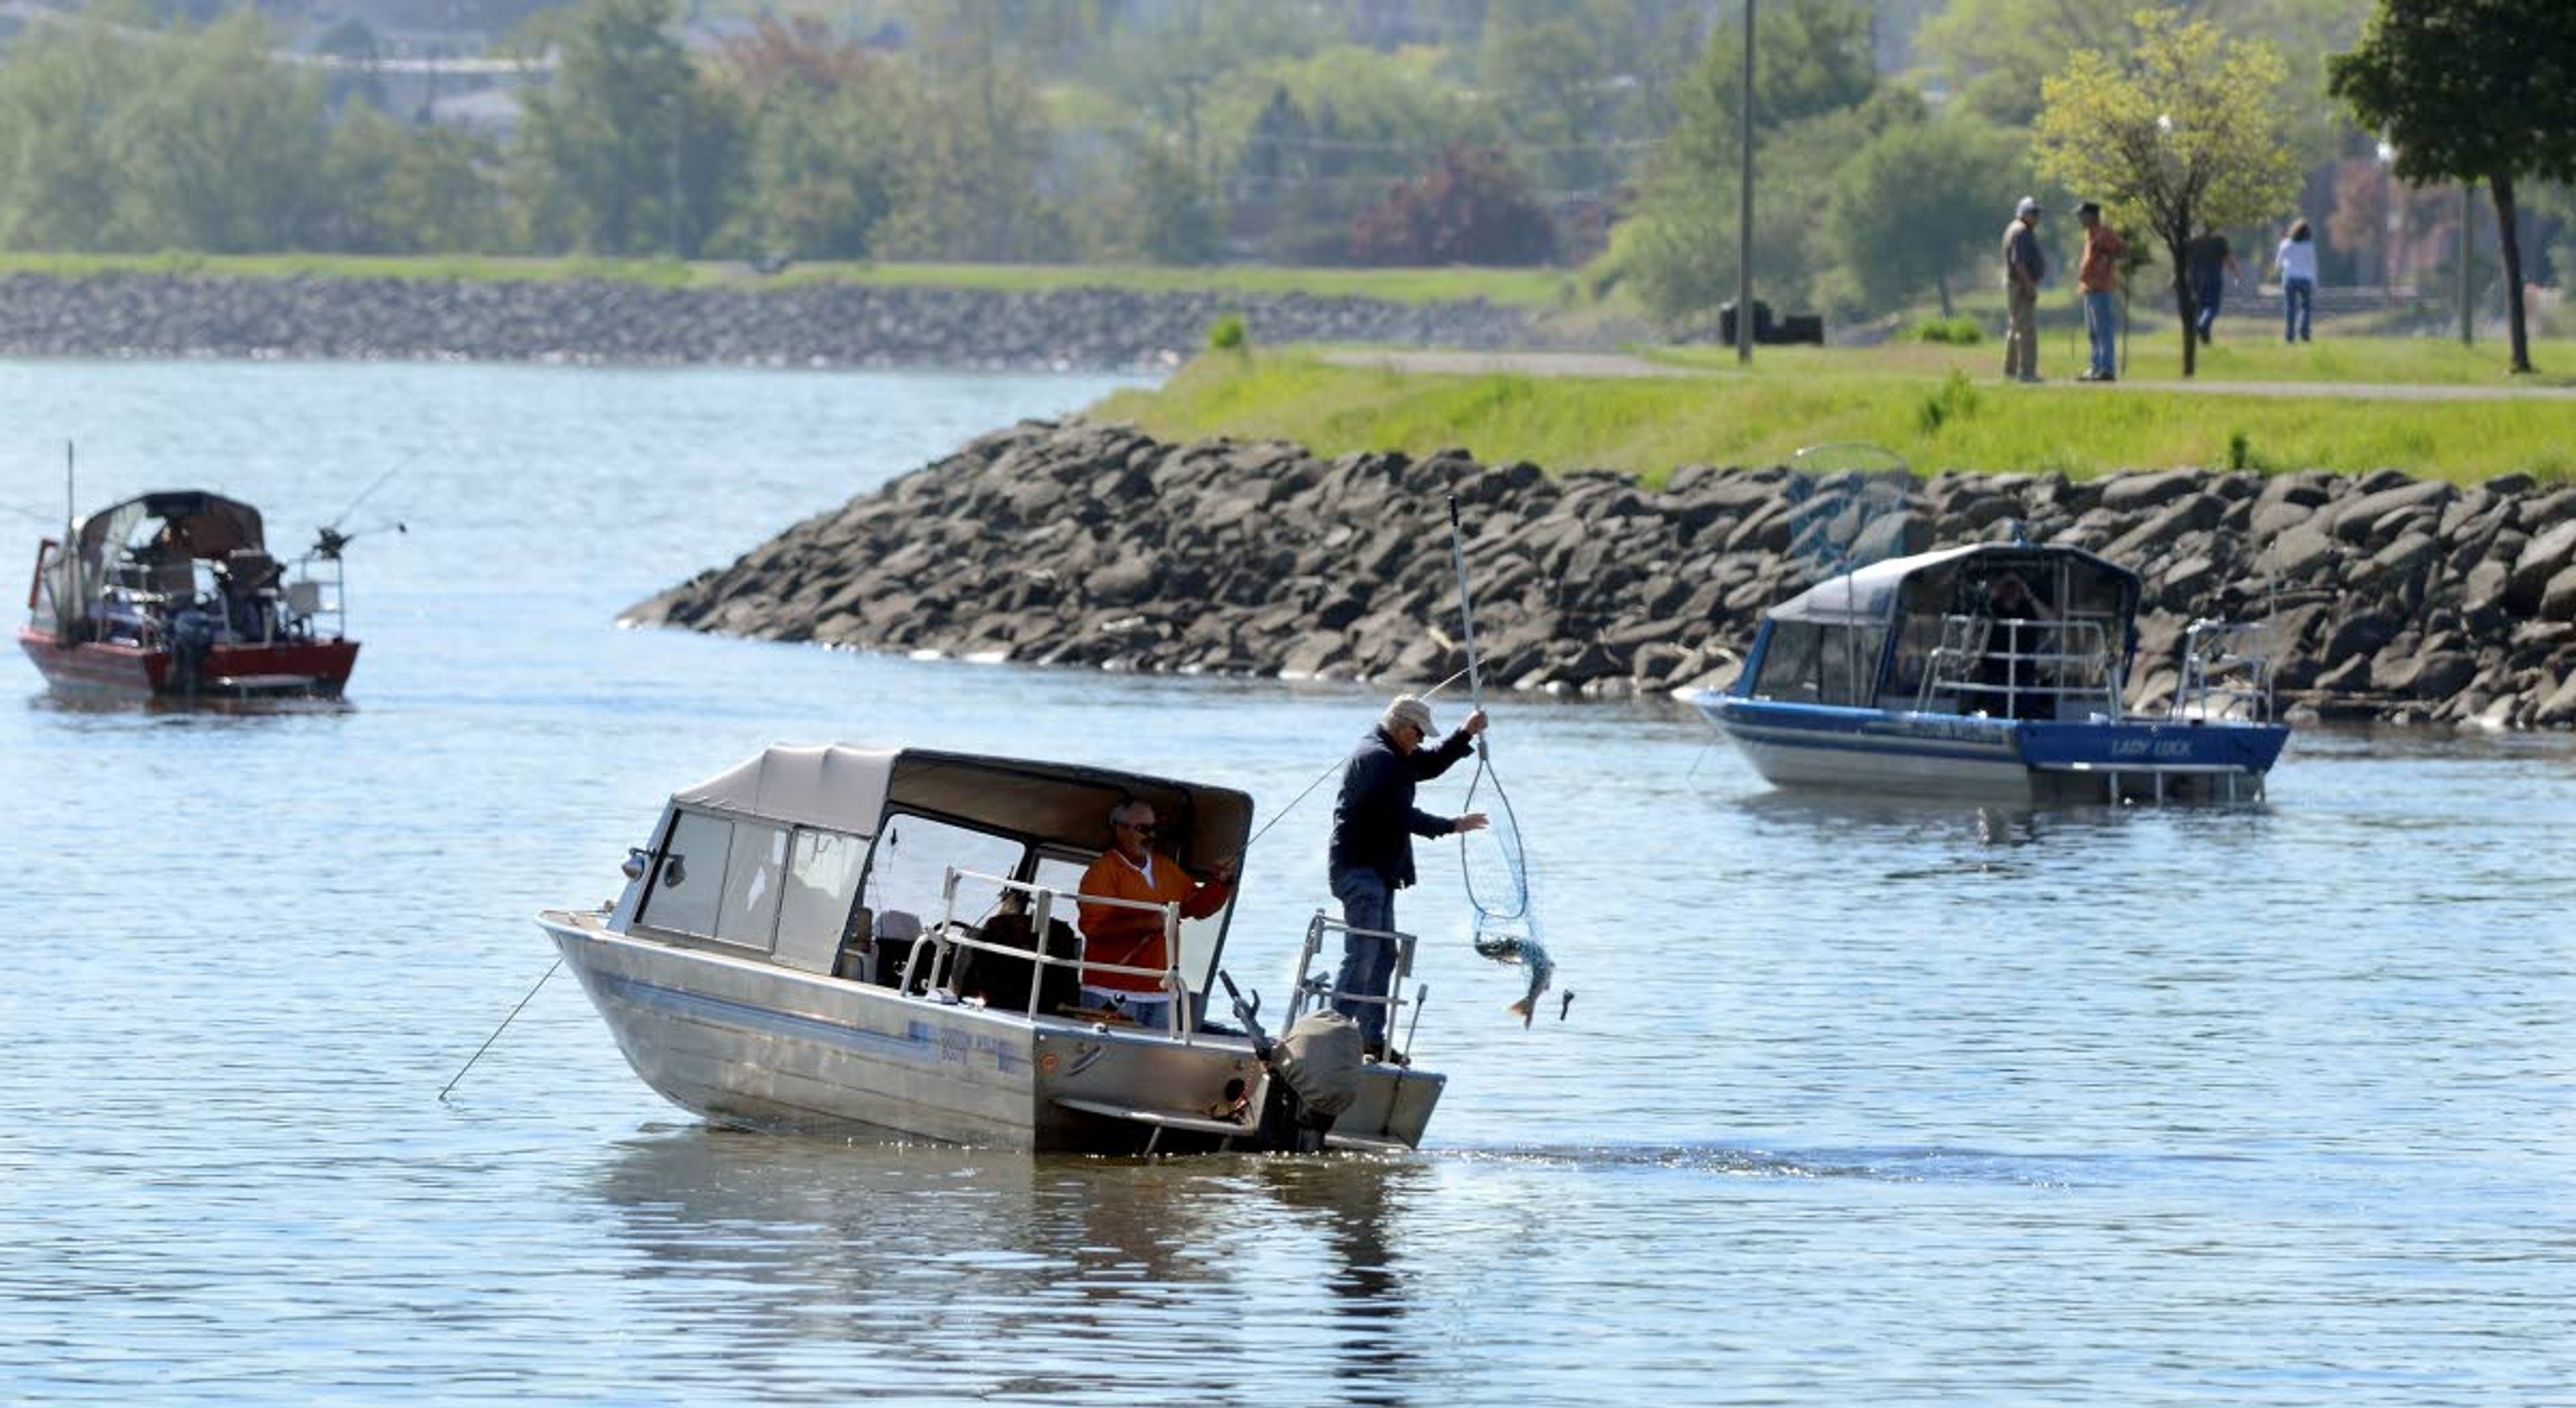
(1131, 869)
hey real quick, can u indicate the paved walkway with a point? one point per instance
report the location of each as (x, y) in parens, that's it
(1621, 364)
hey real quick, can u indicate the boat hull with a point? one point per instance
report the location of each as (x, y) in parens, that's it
(1987, 759)
(288, 669)
(740, 1041)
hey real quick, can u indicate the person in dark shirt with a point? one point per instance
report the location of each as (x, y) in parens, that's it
(1374, 823)
(2209, 262)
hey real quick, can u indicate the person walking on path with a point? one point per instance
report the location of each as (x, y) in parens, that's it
(2024, 267)
(1374, 823)
(2099, 277)
(2297, 262)
(2209, 262)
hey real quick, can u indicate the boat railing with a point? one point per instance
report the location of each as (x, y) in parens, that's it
(313, 598)
(1311, 992)
(954, 935)
(2022, 669)
(2226, 672)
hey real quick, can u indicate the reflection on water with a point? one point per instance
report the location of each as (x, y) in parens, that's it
(957, 1272)
(1865, 1101)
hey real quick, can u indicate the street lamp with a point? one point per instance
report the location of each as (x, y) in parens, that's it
(678, 118)
(1744, 213)
(2390, 215)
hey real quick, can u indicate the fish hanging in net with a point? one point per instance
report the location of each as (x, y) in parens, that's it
(1496, 871)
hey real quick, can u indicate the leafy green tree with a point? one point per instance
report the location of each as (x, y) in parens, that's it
(828, 122)
(973, 165)
(1917, 204)
(601, 156)
(399, 189)
(2472, 90)
(2182, 137)
(221, 148)
(57, 178)
(1551, 84)
(1307, 143)
(1814, 69)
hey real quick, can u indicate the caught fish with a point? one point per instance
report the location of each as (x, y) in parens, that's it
(1508, 946)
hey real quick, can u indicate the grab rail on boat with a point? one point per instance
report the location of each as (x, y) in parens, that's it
(2045, 665)
(1308, 990)
(2220, 678)
(951, 936)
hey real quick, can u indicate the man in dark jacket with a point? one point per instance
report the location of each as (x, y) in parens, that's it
(1374, 824)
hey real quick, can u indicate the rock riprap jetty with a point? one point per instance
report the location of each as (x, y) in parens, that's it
(1083, 543)
(598, 321)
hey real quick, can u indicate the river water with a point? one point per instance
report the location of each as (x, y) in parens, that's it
(1857, 1102)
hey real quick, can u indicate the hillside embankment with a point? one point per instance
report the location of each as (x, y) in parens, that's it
(605, 321)
(1088, 543)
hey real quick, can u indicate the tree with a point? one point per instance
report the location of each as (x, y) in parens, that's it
(407, 190)
(829, 122)
(1918, 203)
(57, 180)
(220, 150)
(602, 155)
(1472, 207)
(2184, 137)
(2471, 90)
(1814, 69)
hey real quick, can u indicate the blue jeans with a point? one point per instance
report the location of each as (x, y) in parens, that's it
(2298, 300)
(1368, 962)
(2205, 292)
(2102, 321)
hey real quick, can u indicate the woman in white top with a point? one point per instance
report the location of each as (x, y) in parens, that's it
(2298, 265)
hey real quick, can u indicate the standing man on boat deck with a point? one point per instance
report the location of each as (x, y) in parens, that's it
(1132, 870)
(1374, 823)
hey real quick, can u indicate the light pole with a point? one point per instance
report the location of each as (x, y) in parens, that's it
(2388, 217)
(2468, 232)
(678, 118)
(1744, 212)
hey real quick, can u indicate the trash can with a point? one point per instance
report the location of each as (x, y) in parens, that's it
(1726, 322)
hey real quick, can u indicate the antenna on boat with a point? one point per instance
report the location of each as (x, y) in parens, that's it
(1855, 495)
(69, 609)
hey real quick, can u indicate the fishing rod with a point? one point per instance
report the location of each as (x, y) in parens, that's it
(1329, 770)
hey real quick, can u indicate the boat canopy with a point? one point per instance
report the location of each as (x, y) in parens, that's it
(205, 525)
(1864, 596)
(1872, 595)
(849, 789)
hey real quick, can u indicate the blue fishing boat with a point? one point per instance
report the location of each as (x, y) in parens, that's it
(1996, 671)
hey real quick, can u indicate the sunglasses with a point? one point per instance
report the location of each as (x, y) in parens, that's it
(1145, 828)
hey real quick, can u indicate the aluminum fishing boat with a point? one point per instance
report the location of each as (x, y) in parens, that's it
(175, 595)
(875, 940)
(1996, 672)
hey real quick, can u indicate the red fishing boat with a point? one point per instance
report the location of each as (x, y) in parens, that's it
(175, 595)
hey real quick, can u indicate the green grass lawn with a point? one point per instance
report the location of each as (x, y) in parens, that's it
(1930, 412)
(2157, 357)
(1537, 289)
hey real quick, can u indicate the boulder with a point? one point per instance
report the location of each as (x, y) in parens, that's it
(2548, 553)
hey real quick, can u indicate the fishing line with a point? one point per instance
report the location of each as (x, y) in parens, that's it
(1506, 931)
(496, 1032)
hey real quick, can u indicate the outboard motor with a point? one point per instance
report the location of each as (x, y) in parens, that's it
(1314, 1074)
